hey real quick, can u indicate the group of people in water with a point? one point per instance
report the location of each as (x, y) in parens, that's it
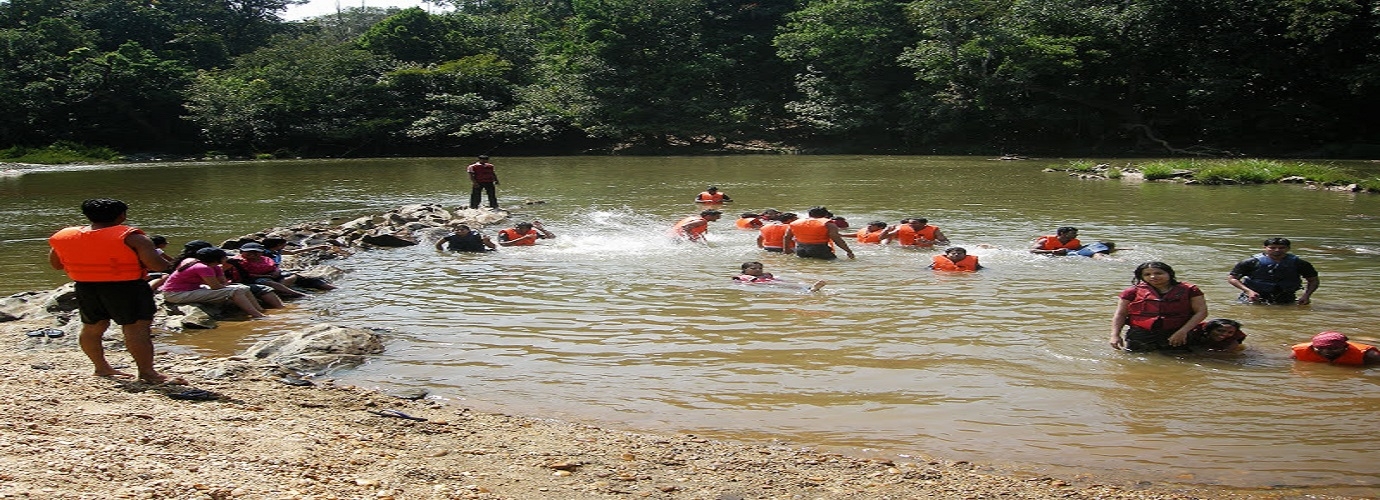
(1157, 313)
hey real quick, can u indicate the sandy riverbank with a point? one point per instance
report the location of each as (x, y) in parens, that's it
(68, 434)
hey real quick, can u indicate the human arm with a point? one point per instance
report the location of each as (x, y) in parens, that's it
(147, 251)
(787, 240)
(1118, 323)
(838, 239)
(488, 242)
(1240, 270)
(536, 224)
(1310, 286)
(440, 242)
(727, 199)
(887, 234)
(211, 276)
(54, 260)
(759, 239)
(1200, 312)
(939, 238)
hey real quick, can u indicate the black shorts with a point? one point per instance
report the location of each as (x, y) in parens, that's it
(821, 251)
(125, 302)
(772, 249)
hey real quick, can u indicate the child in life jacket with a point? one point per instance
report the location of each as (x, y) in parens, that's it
(753, 272)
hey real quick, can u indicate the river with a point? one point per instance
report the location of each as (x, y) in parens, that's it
(611, 323)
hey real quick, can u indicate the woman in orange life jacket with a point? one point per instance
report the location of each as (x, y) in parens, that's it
(955, 259)
(814, 236)
(917, 232)
(712, 195)
(1337, 349)
(1158, 309)
(771, 236)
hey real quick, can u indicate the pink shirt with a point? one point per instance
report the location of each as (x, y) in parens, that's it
(190, 278)
(261, 265)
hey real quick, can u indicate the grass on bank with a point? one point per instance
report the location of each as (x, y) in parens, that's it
(58, 153)
(1243, 171)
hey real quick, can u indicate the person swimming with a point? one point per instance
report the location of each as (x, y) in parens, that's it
(755, 273)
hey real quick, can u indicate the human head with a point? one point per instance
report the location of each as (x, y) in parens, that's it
(253, 247)
(1329, 345)
(841, 222)
(524, 225)
(211, 255)
(190, 248)
(1068, 231)
(1111, 245)
(787, 217)
(715, 214)
(462, 229)
(876, 225)
(274, 243)
(1277, 241)
(1155, 265)
(712, 188)
(770, 213)
(103, 210)
(818, 212)
(1221, 328)
(920, 221)
(158, 240)
(484, 157)
(749, 215)
(750, 265)
(955, 253)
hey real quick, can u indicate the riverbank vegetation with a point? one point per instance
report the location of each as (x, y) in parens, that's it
(1075, 77)
(59, 153)
(1235, 171)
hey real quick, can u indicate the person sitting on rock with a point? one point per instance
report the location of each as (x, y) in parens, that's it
(276, 248)
(258, 269)
(203, 280)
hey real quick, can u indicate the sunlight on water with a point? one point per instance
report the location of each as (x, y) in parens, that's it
(612, 322)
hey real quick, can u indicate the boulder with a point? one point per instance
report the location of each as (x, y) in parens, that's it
(319, 348)
(384, 237)
(20, 305)
(63, 299)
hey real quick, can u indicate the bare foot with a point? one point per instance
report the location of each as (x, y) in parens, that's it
(818, 285)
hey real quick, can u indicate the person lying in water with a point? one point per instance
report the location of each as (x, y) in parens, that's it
(753, 272)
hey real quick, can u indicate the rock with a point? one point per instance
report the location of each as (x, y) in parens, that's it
(318, 348)
(328, 273)
(1293, 179)
(386, 238)
(411, 393)
(196, 315)
(63, 299)
(19, 305)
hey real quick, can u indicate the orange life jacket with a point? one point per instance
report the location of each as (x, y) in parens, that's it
(749, 223)
(710, 198)
(907, 235)
(694, 233)
(1355, 354)
(1052, 243)
(94, 255)
(967, 263)
(513, 235)
(773, 235)
(872, 237)
(812, 231)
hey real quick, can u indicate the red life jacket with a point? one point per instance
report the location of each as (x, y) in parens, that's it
(967, 263)
(717, 197)
(98, 255)
(1355, 354)
(1149, 310)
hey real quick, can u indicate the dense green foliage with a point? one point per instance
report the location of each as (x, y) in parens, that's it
(1232, 171)
(1181, 77)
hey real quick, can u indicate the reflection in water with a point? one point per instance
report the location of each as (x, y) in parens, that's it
(612, 322)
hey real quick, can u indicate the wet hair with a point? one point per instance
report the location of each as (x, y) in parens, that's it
(710, 212)
(950, 249)
(103, 210)
(746, 265)
(483, 157)
(921, 220)
(1278, 241)
(712, 188)
(819, 212)
(787, 217)
(1155, 265)
(273, 242)
(211, 255)
(1111, 245)
(463, 226)
(749, 215)
(1065, 230)
(877, 223)
(158, 239)
(1210, 325)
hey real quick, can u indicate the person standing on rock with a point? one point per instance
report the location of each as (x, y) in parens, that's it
(483, 178)
(109, 262)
